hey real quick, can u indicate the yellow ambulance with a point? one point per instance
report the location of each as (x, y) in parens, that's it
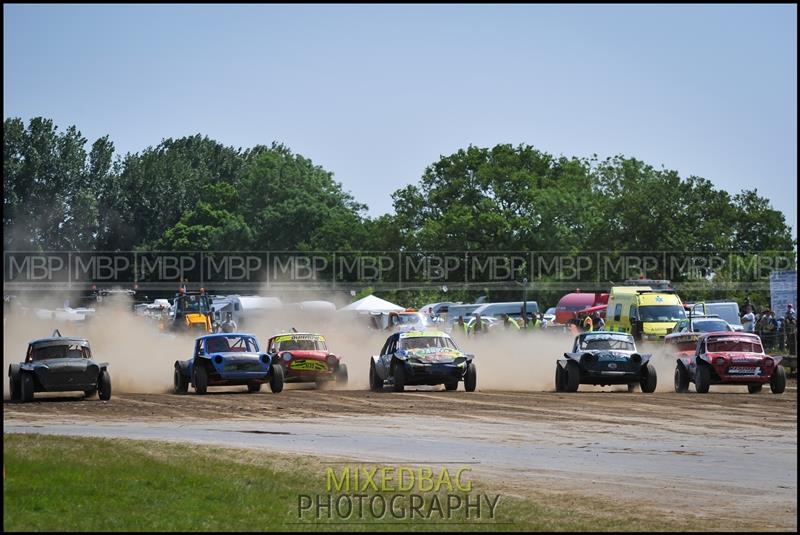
(645, 313)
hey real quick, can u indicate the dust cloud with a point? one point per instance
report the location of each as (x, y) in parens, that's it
(141, 356)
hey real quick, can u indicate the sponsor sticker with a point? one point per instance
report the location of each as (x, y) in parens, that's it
(310, 365)
(744, 370)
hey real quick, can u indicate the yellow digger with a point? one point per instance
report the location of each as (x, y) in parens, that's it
(192, 312)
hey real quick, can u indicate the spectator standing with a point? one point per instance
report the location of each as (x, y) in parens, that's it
(749, 320)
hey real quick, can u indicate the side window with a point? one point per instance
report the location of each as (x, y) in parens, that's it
(618, 312)
(633, 313)
(236, 307)
(385, 348)
(198, 347)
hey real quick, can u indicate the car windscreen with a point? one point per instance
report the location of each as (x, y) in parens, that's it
(72, 351)
(709, 326)
(607, 342)
(722, 345)
(424, 342)
(234, 343)
(302, 345)
(408, 319)
(655, 313)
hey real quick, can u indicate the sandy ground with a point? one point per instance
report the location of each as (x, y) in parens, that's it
(726, 455)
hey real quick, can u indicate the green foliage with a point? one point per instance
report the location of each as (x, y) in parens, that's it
(195, 194)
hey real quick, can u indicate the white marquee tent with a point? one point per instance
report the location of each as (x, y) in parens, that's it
(371, 303)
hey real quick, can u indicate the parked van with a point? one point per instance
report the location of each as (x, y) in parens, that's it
(513, 309)
(727, 310)
(645, 313)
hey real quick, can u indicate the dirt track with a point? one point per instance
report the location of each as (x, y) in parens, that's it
(727, 452)
(726, 408)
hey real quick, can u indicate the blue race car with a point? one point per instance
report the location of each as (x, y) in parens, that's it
(227, 359)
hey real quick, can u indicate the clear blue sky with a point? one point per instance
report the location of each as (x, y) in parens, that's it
(376, 93)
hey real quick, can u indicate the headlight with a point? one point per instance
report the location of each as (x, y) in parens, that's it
(265, 359)
(286, 356)
(332, 359)
(218, 359)
(719, 361)
(768, 362)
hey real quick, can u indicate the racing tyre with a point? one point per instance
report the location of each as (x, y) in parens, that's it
(681, 379)
(200, 379)
(573, 379)
(649, 380)
(559, 378)
(276, 379)
(341, 375)
(26, 387)
(453, 385)
(702, 378)
(13, 381)
(399, 375)
(471, 378)
(777, 382)
(180, 382)
(754, 388)
(375, 382)
(90, 393)
(104, 385)
(254, 387)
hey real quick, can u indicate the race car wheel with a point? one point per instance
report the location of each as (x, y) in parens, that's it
(26, 387)
(399, 375)
(702, 378)
(649, 379)
(777, 382)
(375, 382)
(200, 379)
(276, 379)
(90, 393)
(13, 381)
(471, 378)
(104, 385)
(754, 388)
(681, 379)
(559, 379)
(254, 387)
(341, 374)
(452, 385)
(573, 379)
(181, 383)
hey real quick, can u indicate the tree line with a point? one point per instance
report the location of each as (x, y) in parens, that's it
(194, 193)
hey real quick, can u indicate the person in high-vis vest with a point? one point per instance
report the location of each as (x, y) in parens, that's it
(477, 327)
(508, 323)
(462, 326)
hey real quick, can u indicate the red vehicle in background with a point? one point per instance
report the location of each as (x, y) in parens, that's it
(729, 358)
(571, 304)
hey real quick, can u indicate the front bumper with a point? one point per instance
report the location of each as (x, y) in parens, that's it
(433, 374)
(595, 377)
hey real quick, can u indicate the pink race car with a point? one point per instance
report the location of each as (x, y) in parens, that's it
(729, 358)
